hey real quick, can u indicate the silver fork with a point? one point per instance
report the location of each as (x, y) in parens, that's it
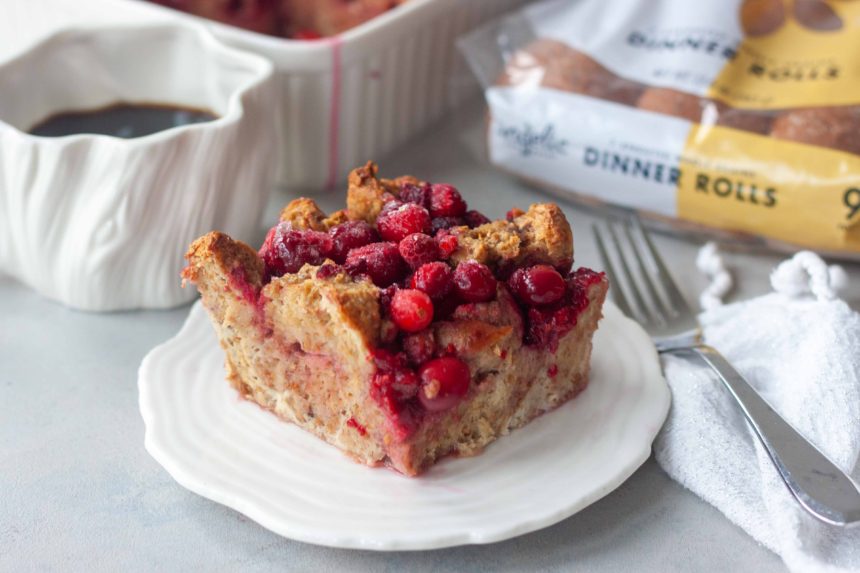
(817, 484)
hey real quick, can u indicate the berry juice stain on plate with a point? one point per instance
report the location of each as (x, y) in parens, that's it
(124, 120)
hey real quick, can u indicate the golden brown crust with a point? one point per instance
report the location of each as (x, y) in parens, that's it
(366, 192)
(336, 218)
(304, 213)
(546, 235)
(364, 195)
(218, 250)
(488, 244)
(393, 185)
(540, 235)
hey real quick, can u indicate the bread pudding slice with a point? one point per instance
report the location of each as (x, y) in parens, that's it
(405, 327)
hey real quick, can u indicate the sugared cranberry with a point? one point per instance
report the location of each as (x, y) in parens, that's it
(475, 219)
(286, 250)
(380, 261)
(474, 282)
(435, 279)
(390, 202)
(540, 284)
(446, 201)
(415, 193)
(395, 224)
(419, 346)
(418, 249)
(348, 236)
(411, 310)
(444, 381)
(447, 242)
(440, 223)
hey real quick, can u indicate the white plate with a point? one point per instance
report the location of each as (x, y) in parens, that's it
(233, 452)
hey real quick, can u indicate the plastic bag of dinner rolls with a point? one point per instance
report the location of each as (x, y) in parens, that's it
(736, 116)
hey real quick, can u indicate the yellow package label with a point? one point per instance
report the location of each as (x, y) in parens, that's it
(784, 190)
(795, 53)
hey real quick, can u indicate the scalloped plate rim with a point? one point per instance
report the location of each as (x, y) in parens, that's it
(198, 484)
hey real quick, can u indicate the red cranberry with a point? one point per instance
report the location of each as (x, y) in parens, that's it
(447, 242)
(286, 250)
(435, 279)
(415, 193)
(540, 284)
(444, 381)
(474, 282)
(475, 219)
(440, 223)
(411, 310)
(585, 277)
(419, 346)
(328, 270)
(396, 223)
(547, 325)
(380, 261)
(348, 236)
(418, 249)
(578, 284)
(446, 201)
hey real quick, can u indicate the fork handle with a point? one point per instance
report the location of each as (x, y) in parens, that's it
(822, 489)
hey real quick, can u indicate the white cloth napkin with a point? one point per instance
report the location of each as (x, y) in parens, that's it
(800, 348)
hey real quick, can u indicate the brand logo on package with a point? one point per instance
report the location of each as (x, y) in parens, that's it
(531, 141)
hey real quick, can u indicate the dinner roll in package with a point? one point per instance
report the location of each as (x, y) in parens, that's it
(740, 116)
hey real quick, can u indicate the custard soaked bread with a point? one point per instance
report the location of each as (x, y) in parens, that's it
(405, 327)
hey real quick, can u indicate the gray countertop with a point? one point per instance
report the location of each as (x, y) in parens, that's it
(79, 492)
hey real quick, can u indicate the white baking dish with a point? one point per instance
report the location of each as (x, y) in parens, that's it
(354, 97)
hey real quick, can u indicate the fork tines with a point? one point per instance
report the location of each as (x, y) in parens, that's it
(644, 289)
